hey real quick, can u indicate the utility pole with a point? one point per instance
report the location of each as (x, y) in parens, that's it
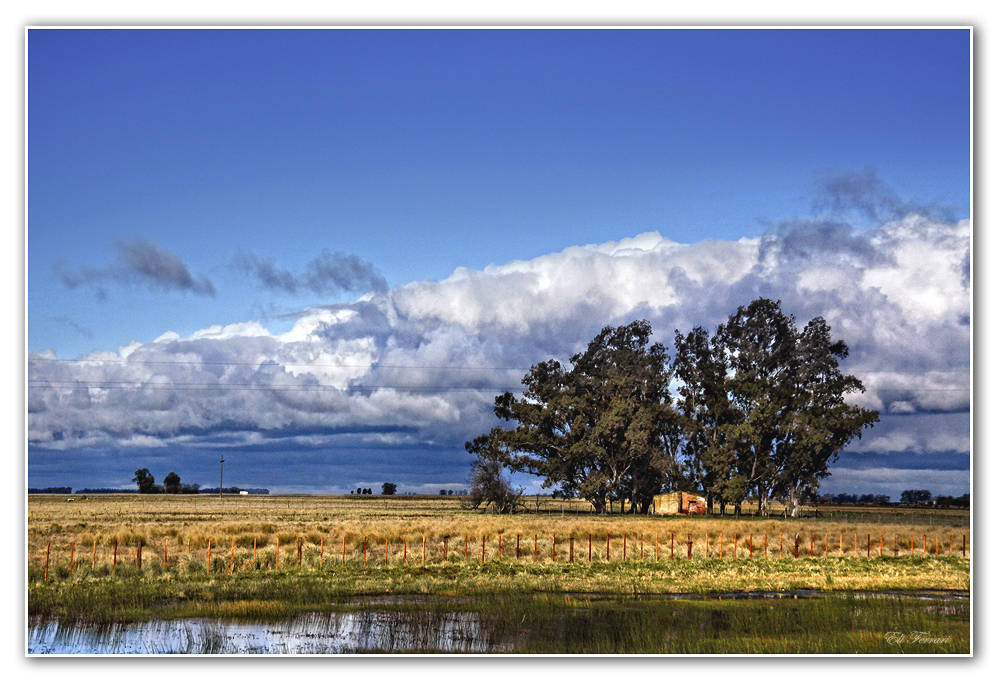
(221, 460)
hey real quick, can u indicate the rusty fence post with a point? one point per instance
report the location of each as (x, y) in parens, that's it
(690, 544)
(404, 551)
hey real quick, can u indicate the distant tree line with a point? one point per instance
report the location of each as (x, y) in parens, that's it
(908, 497)
(851, 498)
(171, 483)
(759, 415)
(52, 489)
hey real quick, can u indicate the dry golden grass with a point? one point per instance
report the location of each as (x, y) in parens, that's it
(245, 531)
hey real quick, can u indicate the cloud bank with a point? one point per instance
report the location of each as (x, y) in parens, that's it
(414, 370)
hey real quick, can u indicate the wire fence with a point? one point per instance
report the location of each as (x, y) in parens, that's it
(268, 553)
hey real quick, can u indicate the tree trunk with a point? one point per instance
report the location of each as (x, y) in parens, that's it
(794, 498)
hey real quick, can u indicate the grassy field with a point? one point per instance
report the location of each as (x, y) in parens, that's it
(556, 579)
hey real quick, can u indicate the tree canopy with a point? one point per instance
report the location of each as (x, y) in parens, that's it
(760, 413)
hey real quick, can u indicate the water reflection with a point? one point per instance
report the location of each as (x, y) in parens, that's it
(336, 633)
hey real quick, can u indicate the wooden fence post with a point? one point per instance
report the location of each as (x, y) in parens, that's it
(138, 554)
(735, 544)
(232, 556)
(869, 546)
(343, 552)
(880, 544)
(690, 544)
(208, 558)
(254, 552)
(624, 546)
(765, 545)
(466, 547)
(607, 556)
(826, 545)
(751, 545)
(810, 544)
(963, 545)
(499, 546)
(781, 545)
(795, 552)
(517, 548)
(925, 544)
(404, 551)
(590, 547)
(72, 554)
(320, 551)
(536, 547)
(48, 547)
(483, 559)
(423, 551)
(949, 545)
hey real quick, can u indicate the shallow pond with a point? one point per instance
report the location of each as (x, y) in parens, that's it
(313, 633)
(753, 622)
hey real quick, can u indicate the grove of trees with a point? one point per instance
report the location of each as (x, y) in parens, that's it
(759, 414)
(171, 483)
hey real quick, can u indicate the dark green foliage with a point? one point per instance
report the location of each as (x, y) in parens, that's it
(763, 406)
(914, 497)
(172, 483)
(388, 489)
(603, 429)
(145, 481)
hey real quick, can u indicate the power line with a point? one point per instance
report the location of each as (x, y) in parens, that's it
(43, 384)
(374, 365)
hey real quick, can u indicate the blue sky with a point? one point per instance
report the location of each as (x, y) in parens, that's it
(325, 185)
